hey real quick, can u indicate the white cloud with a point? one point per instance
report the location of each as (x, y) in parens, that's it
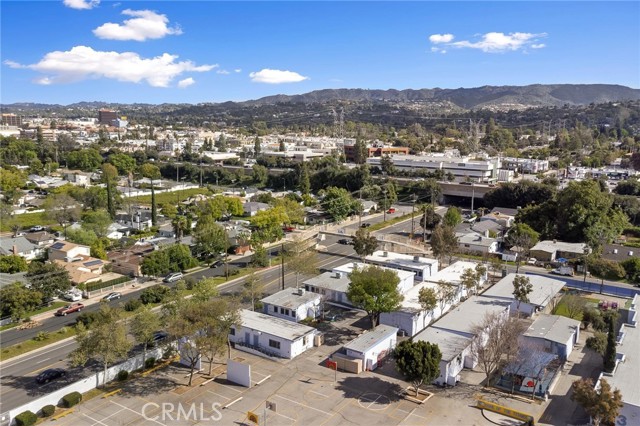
(270, 76)
(81, 4)
(538, 46)
(82, 63)
(438, 50)
(237, 70)
(186, 82)
(144, 25)
(441, 38)
(223, 72)
(499, 42)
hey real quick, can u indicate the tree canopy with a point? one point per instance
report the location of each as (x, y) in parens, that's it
(374, 290)
(419, 362)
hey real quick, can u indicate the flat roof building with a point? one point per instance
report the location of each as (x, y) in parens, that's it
(292, 304)
(421, 267)
(372, 346)
(543, 291)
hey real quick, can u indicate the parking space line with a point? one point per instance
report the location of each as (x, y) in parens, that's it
(412, 413)
(134, 411)
(304, 405)
(318, 393)
(94, 420)
(229, 387)
(217, 394)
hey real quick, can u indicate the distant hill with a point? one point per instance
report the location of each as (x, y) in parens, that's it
(492, 97)
(479, 97)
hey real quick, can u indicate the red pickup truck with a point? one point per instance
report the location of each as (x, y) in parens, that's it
(69, 309)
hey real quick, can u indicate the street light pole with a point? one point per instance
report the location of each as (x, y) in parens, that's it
(282, 264)
(413, 210)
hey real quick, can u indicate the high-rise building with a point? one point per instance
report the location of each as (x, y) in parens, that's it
(11, 120)
(107, 117)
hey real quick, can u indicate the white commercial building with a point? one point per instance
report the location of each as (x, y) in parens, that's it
(422, 267)
(406, 277)
(625, 375)
(554, 334)
(292, 304)
(543, 291)
(410, 317)
(333, 286)
(453, 275)
(372, 346)
(456, 353)
(271, 336)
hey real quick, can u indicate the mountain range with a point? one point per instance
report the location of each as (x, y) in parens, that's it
(500, 97)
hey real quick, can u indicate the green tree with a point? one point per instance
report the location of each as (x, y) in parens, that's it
(632, 269)
(610, 351)
(253, 288)
(123, 162)
(105, 341)
(10, 183)
(110, 178)
(361, 152)
(304, 181)
(143, 326)
(364, 243)
(217, 318)
(522, 287)
(444, 242)
(87, 160)
(521, 238)
(16, 300)
(419, 362)
(209, 237)
(50, 279)
(452, 217)
(470, 280)
(598, 342)
(97, 221)
(62, 208)
(257, 148)
(428, 299)
(603, 404)
(180, 225)
(339, 203)
(185, 324)
(300, 258)
(98, 250)
(12, 264)
(430, 219)
(151, 172)
(260, 175)
(174, 258)
(606, 269)
(375, 290)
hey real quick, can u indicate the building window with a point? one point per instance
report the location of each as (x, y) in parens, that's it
(293, 313)
(282, 310)
(286, 312)
(304, 341)
(275, 309)
(306, 287)
(274, 344)
(233, 331)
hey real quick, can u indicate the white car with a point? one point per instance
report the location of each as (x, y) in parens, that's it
(72, 296)
(176, 276)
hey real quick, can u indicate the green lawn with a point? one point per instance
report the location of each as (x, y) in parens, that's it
(26, 220)
(31, 345)
(561, 308)
(382, 225)
(172, 197)
(53, 306)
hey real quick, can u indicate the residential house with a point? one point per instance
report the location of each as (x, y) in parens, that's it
(544, 290)
(264, 334)
(619, 253)
(19, 246)
(140, 220)
(503, 219)
(372, 346)
(332, 286)
(410, 317)
(293, 304)
(78, 178)
(477, 243)
(421, 267)
(251, 208)
(67, 251)
(85, 270)
(406, 277)
(552, 333)
(128, 261)
(40, 239)
(550, 250)
(368, 207)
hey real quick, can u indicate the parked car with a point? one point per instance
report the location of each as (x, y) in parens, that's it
(391, 210)
(288, 228)
(159, 336)
(217, 264)
(72, 296)
(50, 374)
(532, 261)
(563, 270)
(112, 296)
(69, 309)
(344, 241)
(36, 228)
(173, 277)
(365, 225)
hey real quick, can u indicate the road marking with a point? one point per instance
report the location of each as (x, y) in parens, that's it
(95, 422)
(140, 414)
(304, 405)
(71, 342)
(46, 359)
(217, 394)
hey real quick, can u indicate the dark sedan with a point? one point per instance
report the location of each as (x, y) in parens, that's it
(50, 374)
(344, 241)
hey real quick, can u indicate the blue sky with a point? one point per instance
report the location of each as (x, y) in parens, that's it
(206, 51)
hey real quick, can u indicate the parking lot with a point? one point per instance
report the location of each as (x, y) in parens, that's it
(302, 391)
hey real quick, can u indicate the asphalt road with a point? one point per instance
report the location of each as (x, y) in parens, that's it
(18, 376)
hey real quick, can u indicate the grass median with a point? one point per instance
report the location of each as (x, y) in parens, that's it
(52, 307)
(41, 340)
(381, 225)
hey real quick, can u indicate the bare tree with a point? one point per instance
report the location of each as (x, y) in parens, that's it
(495, 337)
(252, 288)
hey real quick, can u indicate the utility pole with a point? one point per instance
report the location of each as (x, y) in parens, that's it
(177, 183)
(200, 175)
(413, 210)
(282, 264)
(385, 205)
(360, 210)
(473, 196)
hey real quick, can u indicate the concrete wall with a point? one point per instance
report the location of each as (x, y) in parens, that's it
(288, 349)
(84, 385)
(378, 352)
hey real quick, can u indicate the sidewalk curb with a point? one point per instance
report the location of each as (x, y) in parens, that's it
(36, 351)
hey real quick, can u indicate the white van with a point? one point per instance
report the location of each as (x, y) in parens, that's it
(173, 277)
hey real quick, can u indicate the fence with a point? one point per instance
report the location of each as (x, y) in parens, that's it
(94, 289)
(82, 386)
(596, 287)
